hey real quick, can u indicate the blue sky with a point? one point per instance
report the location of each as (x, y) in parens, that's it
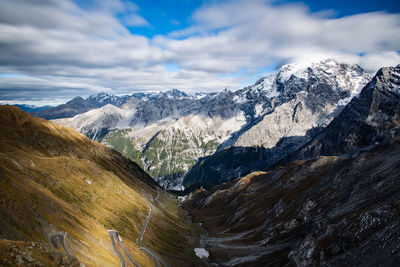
(165, 16)
(53, 50)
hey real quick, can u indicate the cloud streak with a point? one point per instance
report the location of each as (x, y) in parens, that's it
(63, 50)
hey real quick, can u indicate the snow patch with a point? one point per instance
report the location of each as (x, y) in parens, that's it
(345, 101)
(202, 253)
(296, 69)
(239, 99)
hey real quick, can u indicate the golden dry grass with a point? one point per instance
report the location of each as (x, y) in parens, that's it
(55, 179)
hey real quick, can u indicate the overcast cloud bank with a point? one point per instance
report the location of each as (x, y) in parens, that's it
(57, 49)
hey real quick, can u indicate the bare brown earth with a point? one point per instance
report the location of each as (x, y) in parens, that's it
(54, 179)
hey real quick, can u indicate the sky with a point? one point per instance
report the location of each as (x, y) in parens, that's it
(54, 50)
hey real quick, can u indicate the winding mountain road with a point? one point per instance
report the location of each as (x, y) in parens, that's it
(115, 238)
(114, 235)
(142, 247)
(60, 236)
(158, 194)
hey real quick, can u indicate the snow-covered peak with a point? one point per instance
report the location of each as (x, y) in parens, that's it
(199, 95)
(175, 94)
(104, 98)
(341, 77)
(267, 86)
(298, 70)
(100, 96)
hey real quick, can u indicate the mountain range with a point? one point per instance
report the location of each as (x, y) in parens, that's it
(169, 133)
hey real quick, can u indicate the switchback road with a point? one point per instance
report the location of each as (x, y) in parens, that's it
(155, 258)
(60, 236)
(115, 237)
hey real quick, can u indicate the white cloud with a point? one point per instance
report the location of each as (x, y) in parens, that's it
(135, 20)
(66, 50)
(246, 34)
(373, 61)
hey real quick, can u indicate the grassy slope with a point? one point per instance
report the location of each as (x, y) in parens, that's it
(55, 179)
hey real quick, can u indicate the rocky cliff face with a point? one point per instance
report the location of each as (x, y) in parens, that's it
(338, 209)
(368, 119)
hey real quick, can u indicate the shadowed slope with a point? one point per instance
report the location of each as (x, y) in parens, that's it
(327, 211)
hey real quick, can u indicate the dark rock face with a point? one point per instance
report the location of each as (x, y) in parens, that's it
(369, 119)
(230, 163)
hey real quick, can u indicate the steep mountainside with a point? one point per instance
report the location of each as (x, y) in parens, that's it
(341, 210)
(330, 211)
(166, 133)
(169, 148)
(371, 117)
(57, 180)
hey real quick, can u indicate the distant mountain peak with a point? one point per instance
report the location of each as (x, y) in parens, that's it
(175, 93)
(339, 76)
(99, 95)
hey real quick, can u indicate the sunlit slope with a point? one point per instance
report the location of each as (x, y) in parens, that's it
(54, 179)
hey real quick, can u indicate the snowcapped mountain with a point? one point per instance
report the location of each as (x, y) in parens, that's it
(167, 132)
(296, 98)
(285, 110)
